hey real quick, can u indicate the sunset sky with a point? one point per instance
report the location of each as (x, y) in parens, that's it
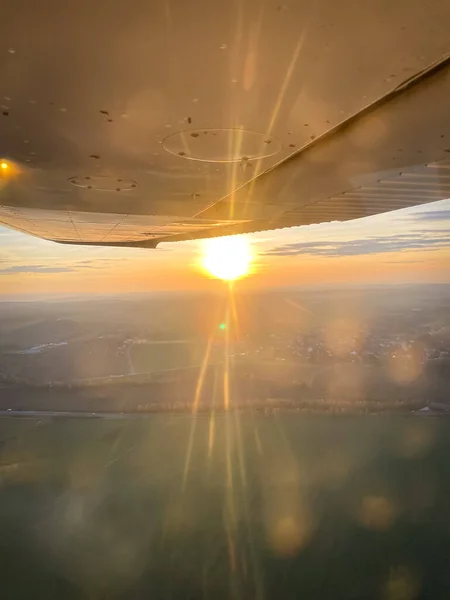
(411, 245)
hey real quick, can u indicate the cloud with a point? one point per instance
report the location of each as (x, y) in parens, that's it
(96, 261)
(35, 269)
(382, 244)
(431, 215)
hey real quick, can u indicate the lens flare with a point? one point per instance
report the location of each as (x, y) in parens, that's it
(227, 258)
(8, 169)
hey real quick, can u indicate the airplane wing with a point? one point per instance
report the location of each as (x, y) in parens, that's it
(139, 123)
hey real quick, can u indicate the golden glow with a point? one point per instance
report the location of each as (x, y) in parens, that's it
(8, 169)
(227, 258)
(377, 513)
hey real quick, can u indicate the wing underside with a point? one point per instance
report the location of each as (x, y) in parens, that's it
(116, 167)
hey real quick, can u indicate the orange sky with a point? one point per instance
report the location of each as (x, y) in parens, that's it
(406, 246)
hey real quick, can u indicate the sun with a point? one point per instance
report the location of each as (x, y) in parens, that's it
(227, 258)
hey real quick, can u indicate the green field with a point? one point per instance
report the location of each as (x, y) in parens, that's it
(151, 357)
(242, 506)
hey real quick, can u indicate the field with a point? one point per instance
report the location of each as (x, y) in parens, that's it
(163, 355)
(225, 506)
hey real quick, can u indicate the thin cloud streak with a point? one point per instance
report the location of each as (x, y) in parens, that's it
(35, 269)
(359, 247)
(432, 215)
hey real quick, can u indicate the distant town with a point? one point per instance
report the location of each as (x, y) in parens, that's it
(368, 349)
